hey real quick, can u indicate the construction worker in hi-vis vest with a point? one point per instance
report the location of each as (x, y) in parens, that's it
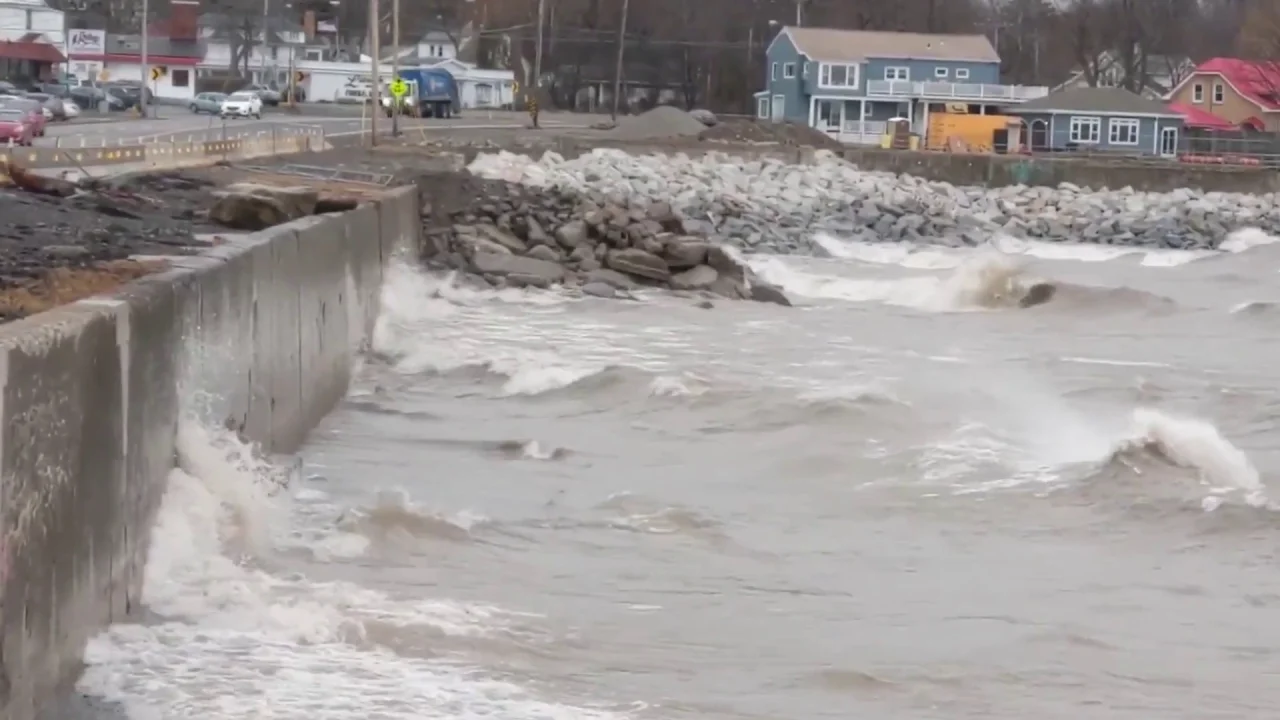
(533, 108)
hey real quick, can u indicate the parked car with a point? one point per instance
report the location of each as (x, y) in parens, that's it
(8, 88)
(69, 107)
(32, 110)
(14, 129)
(269, 96)
(210, 102)
(54, 105)
(92, 98)
(132, 92)
(242, 104)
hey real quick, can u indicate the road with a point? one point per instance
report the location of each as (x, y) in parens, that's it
(176, 125)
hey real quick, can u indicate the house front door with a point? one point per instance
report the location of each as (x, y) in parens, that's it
(1168, 141)
(779, 108)
(830, 116)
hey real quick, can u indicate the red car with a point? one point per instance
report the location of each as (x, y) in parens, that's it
(31, 110)
(14, 128)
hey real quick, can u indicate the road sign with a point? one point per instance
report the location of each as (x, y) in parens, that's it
(158, 72)
(299, 76)
(103, 76)
(399, 88)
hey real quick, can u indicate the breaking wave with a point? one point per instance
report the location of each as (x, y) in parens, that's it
(939, 257)
(290, 647)
(981, 282)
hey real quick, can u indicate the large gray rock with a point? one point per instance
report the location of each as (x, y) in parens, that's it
(698, 278)
(685, 253)
(612, 278)
(525, 267)
(639, 263)
(501, 237)
(249, 206)
(572, 235)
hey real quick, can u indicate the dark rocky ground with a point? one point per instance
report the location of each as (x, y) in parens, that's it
(56, 249)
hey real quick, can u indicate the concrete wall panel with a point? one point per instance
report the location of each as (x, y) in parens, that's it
(360, 227)
(258, 331)
(60, 462)
(324, 289)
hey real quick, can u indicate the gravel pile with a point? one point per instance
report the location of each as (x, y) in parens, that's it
(768, 205)
(659, 123)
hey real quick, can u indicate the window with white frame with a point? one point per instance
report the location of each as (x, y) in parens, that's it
(940, 72)
(789, 70)
(1197, 93)
(1219, 93)
(773, 72)
(838, 76)
(962, 73)
(804, 69)
(897, 73)
(1123, 131)
(762, 107)
(1086, 130)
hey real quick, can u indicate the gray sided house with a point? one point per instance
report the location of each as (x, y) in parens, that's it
(1100, 119)
(847, 83)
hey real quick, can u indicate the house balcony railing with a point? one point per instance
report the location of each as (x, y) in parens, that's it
(954, 91)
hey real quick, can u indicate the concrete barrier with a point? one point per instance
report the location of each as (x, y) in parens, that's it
(266, 327)
(163, 155)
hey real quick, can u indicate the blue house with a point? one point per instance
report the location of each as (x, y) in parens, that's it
(1100, 119)
(847, 83)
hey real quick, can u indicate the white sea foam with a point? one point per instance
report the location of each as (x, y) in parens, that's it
(236, 641)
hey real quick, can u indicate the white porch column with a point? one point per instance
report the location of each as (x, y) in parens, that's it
(813, 111)
(862, 123)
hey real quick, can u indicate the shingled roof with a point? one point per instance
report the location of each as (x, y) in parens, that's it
(1108, 101)
(829, 45)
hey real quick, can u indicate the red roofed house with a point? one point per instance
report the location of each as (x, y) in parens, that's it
(32, 41)
(173, 45)
(1242, 92)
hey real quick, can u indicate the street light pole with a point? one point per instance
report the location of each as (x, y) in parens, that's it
(374, 21)
(395, 66)
(537, 56)
(617, 70)
(146, 66)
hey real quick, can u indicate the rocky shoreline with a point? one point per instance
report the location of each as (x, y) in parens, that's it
(601, 244)
(768, 205)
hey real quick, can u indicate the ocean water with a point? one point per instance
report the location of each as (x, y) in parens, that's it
(904, 498)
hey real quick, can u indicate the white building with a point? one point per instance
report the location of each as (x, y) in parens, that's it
(33, 38)
(350, 82)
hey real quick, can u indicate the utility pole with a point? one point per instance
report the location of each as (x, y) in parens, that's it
(617, 70)
(146, 66)
(800, 13)
(395, 66)
(374, 21)
(537, 56)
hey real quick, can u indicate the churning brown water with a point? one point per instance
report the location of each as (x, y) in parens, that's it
(905, 498)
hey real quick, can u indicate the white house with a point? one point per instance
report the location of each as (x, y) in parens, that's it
(33, 38)
(1163, 73)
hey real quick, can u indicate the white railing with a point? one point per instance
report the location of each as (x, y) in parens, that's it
(855, 132)
(954, 91)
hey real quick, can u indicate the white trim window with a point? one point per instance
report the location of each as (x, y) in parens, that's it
(1197, 93)
(804, 69)
(762, 108)
(1123, 131)
(1219, 93)
(941, 72)
(897, 73)
(962, 73)
(773, 72)
(789, 71)
(838, 76)
(1086, 130)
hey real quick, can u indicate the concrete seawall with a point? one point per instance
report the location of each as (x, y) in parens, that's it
(262, 331)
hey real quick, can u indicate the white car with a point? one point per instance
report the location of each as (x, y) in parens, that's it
(242, 104)
(72, 110)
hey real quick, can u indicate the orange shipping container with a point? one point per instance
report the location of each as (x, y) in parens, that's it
(973, 131)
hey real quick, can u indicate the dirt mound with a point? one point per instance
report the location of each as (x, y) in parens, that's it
(661, 122)
(773, 133)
